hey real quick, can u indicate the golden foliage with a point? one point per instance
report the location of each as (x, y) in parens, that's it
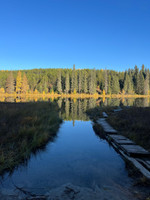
(2, 91)
(18, 83)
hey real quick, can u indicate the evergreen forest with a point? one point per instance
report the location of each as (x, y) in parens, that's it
(75, 81)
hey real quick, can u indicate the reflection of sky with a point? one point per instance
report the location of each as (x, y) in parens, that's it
(77, 156)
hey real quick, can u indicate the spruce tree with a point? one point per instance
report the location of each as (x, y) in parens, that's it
(67, 84)
(146, 83)
(80, 82)
(92, 82)
(85, 88)
(10, 84)
(25, 86)
(75, 82)
(135, 78)
(115, 87)
(128, 84)
(140, 83)
(45, 89)
(73, 79)
(106, 82)
(109, 84)
(59, 83)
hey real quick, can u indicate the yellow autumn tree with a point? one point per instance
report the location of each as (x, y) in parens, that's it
(2, 91)
(74, 91)
(18, 83)
(25, 86)
(104, 92)
(36, 91)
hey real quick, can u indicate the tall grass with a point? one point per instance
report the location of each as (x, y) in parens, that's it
(25, 127)
(132, 122)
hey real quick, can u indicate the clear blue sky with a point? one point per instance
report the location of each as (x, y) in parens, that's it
(89, 33)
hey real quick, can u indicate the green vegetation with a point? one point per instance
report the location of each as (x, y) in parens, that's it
(75, 81)
(25, 127)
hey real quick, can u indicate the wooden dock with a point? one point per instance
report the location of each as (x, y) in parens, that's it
(128, 146)
(134, 150)
(120, 140)
(136, 154)
(144, 170)
(107, 128)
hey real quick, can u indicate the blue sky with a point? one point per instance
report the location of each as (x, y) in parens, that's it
(112, 34)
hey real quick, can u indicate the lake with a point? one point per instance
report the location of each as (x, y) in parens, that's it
(77, 157)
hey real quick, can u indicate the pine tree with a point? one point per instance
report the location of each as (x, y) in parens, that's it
(75, 82)
(80, 82)
(106, 82)
(18, 83)
(115, 88)
(85, 89)
(45, 89)
(10, 84)
(25, 86)
(92, 82)
(59, 83)
(135, 78)
(128, 84)
(109, 84)
(40, 88)
(72, 79)
(140, 83)
(146, 83)
(67, 84)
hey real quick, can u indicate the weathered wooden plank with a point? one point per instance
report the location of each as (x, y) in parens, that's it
(134, 150)
(105, 114)
(138, 165)
(107, 128)
(125, 141)
(118, 137)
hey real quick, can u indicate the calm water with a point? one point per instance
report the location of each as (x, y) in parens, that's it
(76, 156)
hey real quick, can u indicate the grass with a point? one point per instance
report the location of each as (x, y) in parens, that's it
(24, 128)
(132, 122)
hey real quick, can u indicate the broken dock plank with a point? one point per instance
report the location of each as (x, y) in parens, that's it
(107, 128)
(135, 150)
(105, 114)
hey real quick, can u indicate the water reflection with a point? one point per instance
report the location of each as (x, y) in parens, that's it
(77, 157)
(86, 102)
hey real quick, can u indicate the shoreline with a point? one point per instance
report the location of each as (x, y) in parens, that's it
(75, 95)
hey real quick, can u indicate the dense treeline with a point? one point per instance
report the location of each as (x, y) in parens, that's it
(87, 81)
